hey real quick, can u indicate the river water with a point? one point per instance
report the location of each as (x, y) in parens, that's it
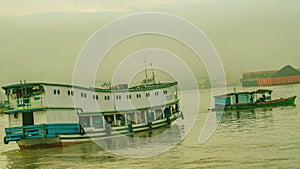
(259, 138)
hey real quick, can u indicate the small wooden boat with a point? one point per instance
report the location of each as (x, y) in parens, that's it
(248, 100)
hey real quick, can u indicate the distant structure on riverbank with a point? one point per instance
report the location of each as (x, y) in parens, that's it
(286, 75)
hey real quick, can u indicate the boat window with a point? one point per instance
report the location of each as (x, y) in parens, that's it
(72, 93)
(158, 114)
(36, 90)
(95, 97)
(16, 115)
(97, 121)
(120, 120)
(69, 93)
(81, 94)
(138, 95)
(130, 118)
(54, 91)
(106, 97)
(85, 121)
(58, 91)
(84, 95)
(150, 116)
(141, 117)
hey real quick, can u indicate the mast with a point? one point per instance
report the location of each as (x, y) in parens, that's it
(20, 99)
(25, 92)
(153, 75)
(145, 65)
(25, 98)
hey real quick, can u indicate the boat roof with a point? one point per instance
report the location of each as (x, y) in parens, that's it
(259, 91)
(135, 88)
(18, 85)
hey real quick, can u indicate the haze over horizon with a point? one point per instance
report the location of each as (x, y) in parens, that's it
(42, 41)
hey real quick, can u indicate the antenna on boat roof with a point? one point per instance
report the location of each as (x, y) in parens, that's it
(145, 64)
(21, 87)
(153, 75)
(25, 92)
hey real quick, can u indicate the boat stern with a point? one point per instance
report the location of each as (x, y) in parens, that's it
(42, 135)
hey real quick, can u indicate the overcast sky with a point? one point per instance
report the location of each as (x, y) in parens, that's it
(41, 40)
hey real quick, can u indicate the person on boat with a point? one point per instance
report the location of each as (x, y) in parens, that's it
(109, 120)
(251, 99)
(173, 110)
(264, 97)
(176, 107)
(122, 121)
(167, 112)
(108, 125)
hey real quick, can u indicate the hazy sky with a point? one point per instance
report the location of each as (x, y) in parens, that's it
(41, 40)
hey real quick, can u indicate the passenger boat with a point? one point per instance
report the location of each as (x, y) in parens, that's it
(44, 114)
(248, 100)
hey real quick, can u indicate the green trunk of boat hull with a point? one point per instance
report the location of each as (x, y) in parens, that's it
(280, 102)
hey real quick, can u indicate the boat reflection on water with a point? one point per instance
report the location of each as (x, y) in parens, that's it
(230, 116)
(144, 144)
(96, 154)
(258, 113)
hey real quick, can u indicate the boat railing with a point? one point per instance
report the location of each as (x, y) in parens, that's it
(20, 103)
(40, 131)
(6, 104)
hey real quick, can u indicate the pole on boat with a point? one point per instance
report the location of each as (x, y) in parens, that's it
(145, 64)
(21, 95)
(153, 75)
(25, 94)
